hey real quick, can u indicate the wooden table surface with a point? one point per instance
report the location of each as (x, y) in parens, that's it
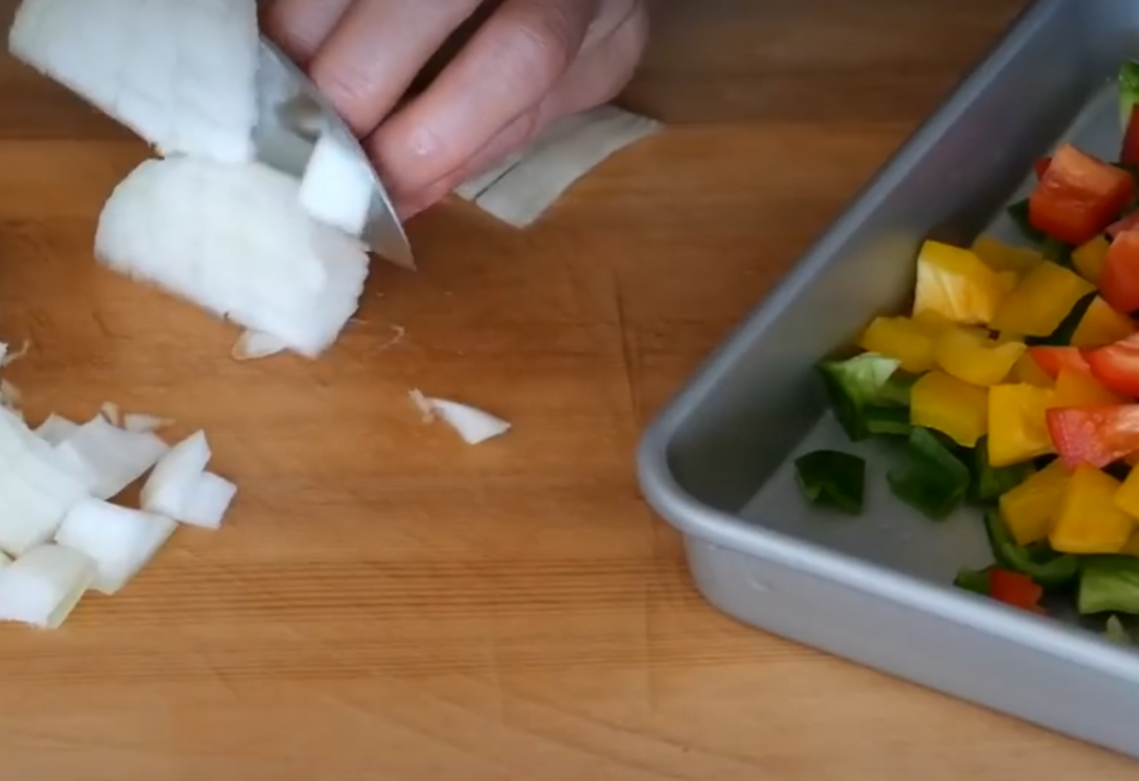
(387, 603)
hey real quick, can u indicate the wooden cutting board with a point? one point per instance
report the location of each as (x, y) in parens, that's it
(387, 603)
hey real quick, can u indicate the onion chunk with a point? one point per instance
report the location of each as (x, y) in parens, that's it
(337, 188)
(55, 429)
(119, 540)
(43, 586)
(109, 457)
(235, 241)
(182, 74)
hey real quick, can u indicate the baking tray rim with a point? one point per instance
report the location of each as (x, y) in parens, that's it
(692, 517)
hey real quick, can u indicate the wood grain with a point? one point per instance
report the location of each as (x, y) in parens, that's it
(387, 603)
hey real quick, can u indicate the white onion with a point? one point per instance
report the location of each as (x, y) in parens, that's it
(179, 73)
(523, 187)
(175, 478)
(235, 241)
(44, 585)
(337, 188)
(141, 423)
(110, 410)
(208, 501)
(37, 489)
(254, 345)
(110, 457)
(473, 425)
(119, 540)
(55, 429)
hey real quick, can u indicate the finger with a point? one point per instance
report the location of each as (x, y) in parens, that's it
(374, 52)
(300, 26)
(510, 139)
(510, 64)
(595, 78)
(607, 67)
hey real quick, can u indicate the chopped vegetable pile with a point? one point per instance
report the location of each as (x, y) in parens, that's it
(62, 536)
(1012, 385)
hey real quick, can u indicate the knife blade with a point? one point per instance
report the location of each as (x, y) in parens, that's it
(293, 116)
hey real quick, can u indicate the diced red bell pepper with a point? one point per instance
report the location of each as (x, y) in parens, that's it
(1116, 365)
(1119, 226)
(1078, 196)
(1129, 155)
(1053, 359)
(1041, 166)
(1016, 589)
(1096, 436)
(1119, 280)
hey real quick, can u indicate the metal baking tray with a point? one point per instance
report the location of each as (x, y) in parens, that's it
(877, 589)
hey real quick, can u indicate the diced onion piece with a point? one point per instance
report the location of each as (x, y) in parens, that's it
(37, 488)
(208, 501)
(110, 410)
(120, 541)
(182, 74)
(4, 560)
(235, 241)
(44, 585)
(7, 358)
(110, 457)
(55, 429)
(254, 345)
(565, 152)
(10, 395)
(473, 425)
(175, 478)
(141, 423)
(337, 186)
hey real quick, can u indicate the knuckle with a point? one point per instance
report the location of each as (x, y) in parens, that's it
(542, 45)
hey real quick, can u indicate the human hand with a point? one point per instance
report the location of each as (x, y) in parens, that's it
(528, 63)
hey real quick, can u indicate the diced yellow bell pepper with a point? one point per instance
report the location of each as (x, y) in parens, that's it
(1081, 389)
(1127, 497)
(950, 406)
(975, 359)
(1027, 370)
(1028, 509)
(1018, 426)
(1005, 257)
(955, 283)
(908, 341)
(1101, 325)
(1041, 301)
(1088, 520)
(1088, 258)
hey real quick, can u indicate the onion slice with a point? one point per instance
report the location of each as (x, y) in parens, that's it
(182, 74)
(109, 457)
(119, 540)
(520, 190)
(473, 425)
(254, 345)
(141, 423)
(43, 586)
(175, 478)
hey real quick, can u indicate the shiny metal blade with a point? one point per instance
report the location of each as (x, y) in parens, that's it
(293, 115)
